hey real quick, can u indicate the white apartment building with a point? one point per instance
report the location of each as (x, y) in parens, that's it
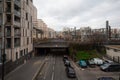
(17, 20)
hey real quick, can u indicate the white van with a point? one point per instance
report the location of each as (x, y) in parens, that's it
(98, 61)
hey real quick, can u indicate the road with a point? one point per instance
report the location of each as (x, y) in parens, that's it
(26, 71)
(53, 69)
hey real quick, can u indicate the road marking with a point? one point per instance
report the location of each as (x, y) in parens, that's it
(53, 68)
(52, 76)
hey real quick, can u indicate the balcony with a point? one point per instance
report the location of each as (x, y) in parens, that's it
(1, 9)
(16, 42)
(8, 34)
(8, 42)
(17, 13)
(0, 34)
(17, 23)
(17, 3)
(17, 34)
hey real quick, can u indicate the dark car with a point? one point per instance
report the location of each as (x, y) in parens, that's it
(106, 78)
(70, 72)
(67, 63)
(91, 63)
(65, 57)
(110, 67)
(83, 63)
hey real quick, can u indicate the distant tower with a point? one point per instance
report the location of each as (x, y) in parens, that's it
(108, 31)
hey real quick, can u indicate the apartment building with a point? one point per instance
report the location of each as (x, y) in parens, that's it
(17, 20)
(42, 26)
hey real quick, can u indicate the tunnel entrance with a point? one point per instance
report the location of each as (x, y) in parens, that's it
(52, 51)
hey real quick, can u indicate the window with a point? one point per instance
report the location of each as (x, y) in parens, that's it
(27, 40)
(21, 53)
(16, 55)
(28, 25)
(24, 52)
(26, 16)
(115, 50)
(107, 48)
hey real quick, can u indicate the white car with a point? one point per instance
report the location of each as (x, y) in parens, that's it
(98, 61)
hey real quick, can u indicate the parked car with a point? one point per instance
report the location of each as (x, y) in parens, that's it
(70, 72)
(67, 63)
(106, 78)
(91, 63)
(65, 57)
(110, 67)
(98, 61)
(83, 63)
(108, 61)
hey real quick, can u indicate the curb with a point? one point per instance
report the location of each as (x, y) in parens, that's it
(38, 71)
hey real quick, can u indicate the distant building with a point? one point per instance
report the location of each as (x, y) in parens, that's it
(51, 33)
(99, 35)
(85, 33)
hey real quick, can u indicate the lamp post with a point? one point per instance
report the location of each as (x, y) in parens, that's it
(3, 48)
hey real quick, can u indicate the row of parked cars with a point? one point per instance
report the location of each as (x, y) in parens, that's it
(104, 65)
(69, 69)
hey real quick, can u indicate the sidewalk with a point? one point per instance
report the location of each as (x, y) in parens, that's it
(26, 71)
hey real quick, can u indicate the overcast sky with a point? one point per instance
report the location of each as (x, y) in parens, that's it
(78, 13)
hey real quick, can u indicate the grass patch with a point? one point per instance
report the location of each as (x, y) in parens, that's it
(86, 54)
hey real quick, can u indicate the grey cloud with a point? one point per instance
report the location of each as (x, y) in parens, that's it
(78, 12)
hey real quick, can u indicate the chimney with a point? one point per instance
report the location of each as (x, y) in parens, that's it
(107, 29)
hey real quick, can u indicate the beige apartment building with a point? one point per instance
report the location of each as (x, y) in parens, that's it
(17, 19)
(42, 26)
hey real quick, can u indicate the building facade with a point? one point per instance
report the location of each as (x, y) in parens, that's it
(16, 22)
(113, 51)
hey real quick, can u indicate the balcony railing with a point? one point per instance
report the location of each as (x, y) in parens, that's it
(0, 45)
(17, 13)
(17, 23)
(8, 45)
(0, 34)
(17, 3)
(8, 34)
(16, 44)
(8, 10)
(17, 34)
(1, 9)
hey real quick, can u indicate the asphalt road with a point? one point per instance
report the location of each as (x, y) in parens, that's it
(25, 71)
(54, 69)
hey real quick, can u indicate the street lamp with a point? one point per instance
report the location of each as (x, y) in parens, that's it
(3, 48)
